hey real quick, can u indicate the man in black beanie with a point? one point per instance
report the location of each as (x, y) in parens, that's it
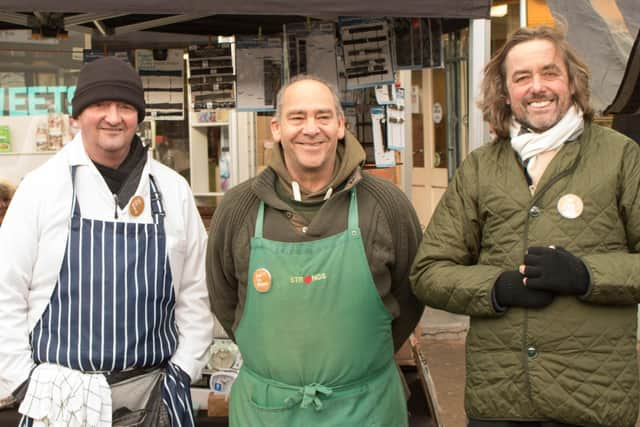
(102, 284)
(108, 78)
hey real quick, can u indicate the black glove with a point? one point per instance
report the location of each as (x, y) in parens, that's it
(555, 270)
(509, 291)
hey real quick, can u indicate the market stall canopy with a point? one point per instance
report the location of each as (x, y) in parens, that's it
(627, 100)
(626, 105)
(115, 18)
(400, 8)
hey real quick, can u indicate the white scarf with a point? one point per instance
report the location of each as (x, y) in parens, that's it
(529, 145)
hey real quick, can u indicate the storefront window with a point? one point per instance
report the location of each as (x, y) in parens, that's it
(505, 19)
(37, 83)
(172, 145)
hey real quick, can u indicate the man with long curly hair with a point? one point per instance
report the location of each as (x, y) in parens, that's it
(537, 239)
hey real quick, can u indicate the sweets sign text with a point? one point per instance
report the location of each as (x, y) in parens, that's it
(35, 100)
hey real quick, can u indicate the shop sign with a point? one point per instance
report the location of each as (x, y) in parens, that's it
(35, 100)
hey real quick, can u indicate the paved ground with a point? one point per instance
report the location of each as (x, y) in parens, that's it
(441, 339)
(445, 359)
(446, 362)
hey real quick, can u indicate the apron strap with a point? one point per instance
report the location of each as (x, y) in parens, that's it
(259, 220)
(75, 208)
(157, 208)
(353, 211)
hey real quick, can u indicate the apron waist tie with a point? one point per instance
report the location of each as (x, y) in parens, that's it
(119, 376)
(313, 394)
(310, 395)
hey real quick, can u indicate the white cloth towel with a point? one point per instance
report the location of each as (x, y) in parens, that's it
(529, 145)
(58, 396)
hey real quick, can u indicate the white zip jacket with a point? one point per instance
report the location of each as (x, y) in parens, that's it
(32, 246)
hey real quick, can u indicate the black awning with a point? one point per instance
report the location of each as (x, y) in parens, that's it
(109, 20)
(316, 8)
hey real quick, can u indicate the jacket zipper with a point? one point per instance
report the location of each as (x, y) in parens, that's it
(115, 199)
(536, 197)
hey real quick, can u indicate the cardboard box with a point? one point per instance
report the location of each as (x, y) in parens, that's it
(218, 405)
(200, 397)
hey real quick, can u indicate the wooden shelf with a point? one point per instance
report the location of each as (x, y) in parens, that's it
(209, 124)
(28, 153)
(209, 194)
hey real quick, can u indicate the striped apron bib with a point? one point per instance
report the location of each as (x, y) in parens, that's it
(113, 307)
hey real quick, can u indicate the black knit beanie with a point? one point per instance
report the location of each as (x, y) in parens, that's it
(108, 79)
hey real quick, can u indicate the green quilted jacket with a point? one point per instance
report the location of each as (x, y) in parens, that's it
(574, 361)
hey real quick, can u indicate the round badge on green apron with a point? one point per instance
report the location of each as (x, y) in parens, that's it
(262, 280)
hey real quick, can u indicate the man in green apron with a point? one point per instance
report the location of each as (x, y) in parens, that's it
(307, 269)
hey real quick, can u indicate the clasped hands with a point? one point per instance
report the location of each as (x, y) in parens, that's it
(546, 272)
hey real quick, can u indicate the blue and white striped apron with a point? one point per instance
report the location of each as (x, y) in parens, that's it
(113, 307)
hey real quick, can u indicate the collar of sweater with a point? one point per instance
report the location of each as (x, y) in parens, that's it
(349, 157)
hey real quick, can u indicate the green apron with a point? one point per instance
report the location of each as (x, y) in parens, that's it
(315, 337)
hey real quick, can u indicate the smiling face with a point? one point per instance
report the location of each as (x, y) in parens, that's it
(538, 84)
(309, 128)
(107, 131)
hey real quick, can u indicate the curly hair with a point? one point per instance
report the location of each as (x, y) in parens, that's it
(495, 109)
(7, 189)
